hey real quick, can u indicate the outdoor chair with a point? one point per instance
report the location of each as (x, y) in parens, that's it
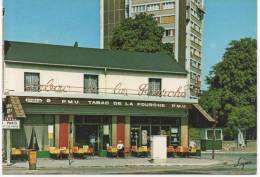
(134, 151)
(64, 151)
(88, 151)
(16, 153)
(170, 151)
(127, 151)
(54, 152)
(112, 151)
(142, 151)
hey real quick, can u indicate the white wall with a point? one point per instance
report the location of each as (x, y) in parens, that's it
(63, 76)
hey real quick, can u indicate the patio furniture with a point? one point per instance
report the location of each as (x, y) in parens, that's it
(142, 151)
(134, 151)
(112, 151)
(127, 151)
(54, 152)
(170, 151)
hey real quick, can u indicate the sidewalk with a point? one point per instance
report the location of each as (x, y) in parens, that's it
(114, 162)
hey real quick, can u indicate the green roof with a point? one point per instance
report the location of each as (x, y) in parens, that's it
(34, 53)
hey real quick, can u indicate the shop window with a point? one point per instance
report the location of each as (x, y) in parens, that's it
(90, 83)
(154, 88)
(31, 82)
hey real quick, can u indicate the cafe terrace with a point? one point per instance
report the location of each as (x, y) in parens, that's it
(65, 97)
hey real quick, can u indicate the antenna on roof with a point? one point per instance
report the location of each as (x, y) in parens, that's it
(76, 44)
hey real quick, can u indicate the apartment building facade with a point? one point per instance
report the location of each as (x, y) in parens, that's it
(183, 24)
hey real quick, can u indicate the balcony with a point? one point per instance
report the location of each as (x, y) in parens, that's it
(201, 8)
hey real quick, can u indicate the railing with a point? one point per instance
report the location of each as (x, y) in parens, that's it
(118, 90)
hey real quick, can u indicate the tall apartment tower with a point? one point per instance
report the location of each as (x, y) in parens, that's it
(181, 19)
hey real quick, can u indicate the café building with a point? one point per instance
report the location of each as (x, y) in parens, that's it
(71, 96)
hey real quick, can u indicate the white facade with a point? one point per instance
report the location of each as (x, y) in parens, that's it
(71, 80)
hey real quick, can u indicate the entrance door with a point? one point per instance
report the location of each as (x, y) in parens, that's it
(64, 131)
(87, 135)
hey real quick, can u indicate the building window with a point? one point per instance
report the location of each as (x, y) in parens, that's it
(138, 8)
(90, 83)
(152, 7)
(31, 82)
(155, 87)
(169, 32)
(168, 5)
(167, 19)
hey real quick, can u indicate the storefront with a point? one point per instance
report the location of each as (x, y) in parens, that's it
(93, 97)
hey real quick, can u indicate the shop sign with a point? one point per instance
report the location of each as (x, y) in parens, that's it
(142, 89)
(14, 124)
(99, 102)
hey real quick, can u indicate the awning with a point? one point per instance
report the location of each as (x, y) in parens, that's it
(204, 113)
(17, 107)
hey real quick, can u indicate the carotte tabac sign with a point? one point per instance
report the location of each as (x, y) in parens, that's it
(101, 102)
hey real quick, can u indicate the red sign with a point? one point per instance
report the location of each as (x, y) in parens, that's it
(143, 89)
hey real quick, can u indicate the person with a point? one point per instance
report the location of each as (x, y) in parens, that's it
(92, 142)
(120, 149)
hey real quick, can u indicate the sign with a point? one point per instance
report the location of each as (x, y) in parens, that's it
(102, 102)
(106, 129)
(142, 89)
(14, 124)
(50, 132)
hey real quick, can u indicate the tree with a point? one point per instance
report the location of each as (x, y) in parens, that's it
(140, 34)
(232, 86)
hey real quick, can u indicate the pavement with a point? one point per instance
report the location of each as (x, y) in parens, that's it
(116, 162)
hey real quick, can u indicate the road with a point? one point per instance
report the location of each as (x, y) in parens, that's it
(227, 169)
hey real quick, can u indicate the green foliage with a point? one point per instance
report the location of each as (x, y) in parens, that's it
(232, 87)
(141, 34)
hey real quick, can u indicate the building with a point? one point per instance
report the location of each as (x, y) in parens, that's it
(70, 96)
(183, 24)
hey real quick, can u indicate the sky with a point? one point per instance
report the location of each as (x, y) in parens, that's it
(63, 22)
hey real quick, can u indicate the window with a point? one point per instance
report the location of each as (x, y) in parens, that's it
(31, 82)
(154, 87)
(138, 8)
(152, 7)
(167, 19)
(90, 83)
(168, 5)
(169, 32)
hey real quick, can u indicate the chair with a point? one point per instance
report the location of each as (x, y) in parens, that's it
(75, 150)
(54, 152)
(134, 150)
(16, 153)
(127, 151)
(185, 151)
(170, 151)
(112, 151)
(65, 152)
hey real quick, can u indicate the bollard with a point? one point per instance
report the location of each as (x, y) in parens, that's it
(32, 158)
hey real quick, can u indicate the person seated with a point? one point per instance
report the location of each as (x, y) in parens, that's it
(120, 149)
